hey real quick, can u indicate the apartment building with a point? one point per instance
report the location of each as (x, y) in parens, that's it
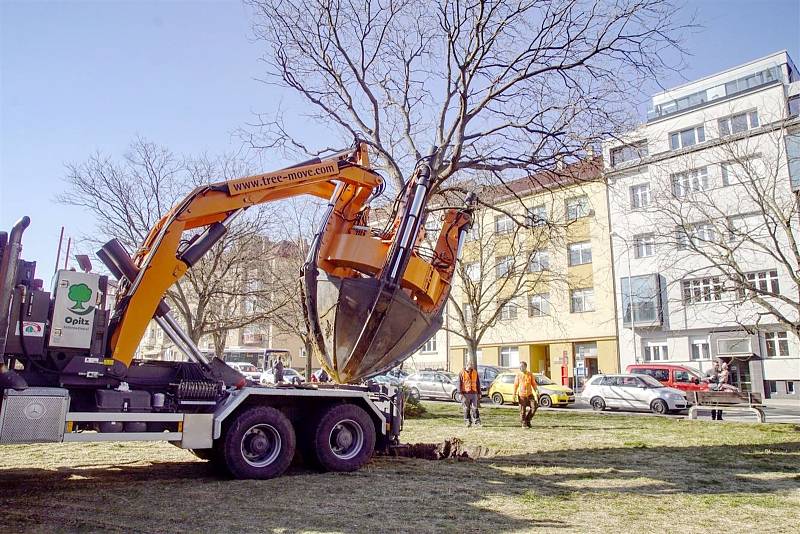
(696, 196)
(560, 318)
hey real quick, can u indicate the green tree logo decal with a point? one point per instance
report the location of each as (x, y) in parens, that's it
(79, 293)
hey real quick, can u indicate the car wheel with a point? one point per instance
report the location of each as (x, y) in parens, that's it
(545, 401)
(598, 404)
(414, 393)
(345, 438)
(498, 399)
(659, 406)
(456, 396)
(259, 443)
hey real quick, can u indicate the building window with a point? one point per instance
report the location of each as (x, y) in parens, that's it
(472, 271)
(644, 245)
(466, 309)
(429, 346)
(539, 261)
(628, 153)
(702, 290)
(504, 266)
(656, 351)
(777, 344)
(580, 253)
(581, 300)
(701, 349)
(539, 304)
(508, 311)
(577, 207)
(741, 122)
(537, 215)
(684, 183)
(695, 234)
(773, 386)
(790, 387)
(509, 356)
(503, 224)
(743, 171)
(640, 196)
(641, 302)
(687, 137)
(586, 350)
(793, 155)
(762, 282)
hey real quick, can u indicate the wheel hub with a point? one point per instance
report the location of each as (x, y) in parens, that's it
(346, 439)
(261, 445)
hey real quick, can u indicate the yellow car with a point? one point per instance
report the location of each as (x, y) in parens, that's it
(549, 393)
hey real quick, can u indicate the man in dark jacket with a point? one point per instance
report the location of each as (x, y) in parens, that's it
(278, 371)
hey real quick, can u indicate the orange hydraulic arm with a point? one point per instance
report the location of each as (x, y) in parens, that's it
(347, 249)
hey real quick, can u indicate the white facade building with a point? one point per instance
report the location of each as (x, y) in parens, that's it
(679, 202)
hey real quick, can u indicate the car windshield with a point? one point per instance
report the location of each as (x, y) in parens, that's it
(246, 367)
(650, 381)
(543, 380)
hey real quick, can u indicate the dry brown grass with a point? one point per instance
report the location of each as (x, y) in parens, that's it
(571, 472)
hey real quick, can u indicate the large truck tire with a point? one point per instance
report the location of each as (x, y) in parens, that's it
(258, 443)
(344, 439)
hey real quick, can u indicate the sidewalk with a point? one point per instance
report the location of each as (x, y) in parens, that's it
(782, 403)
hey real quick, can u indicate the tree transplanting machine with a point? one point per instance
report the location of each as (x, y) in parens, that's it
(372, 297)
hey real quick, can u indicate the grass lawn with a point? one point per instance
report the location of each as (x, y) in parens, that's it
(572, 472)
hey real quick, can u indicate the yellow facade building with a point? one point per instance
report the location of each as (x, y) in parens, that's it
(561, 316)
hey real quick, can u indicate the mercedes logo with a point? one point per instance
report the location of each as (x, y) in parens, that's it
(34, 410)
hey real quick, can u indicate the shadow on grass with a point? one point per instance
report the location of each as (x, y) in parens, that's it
(502, 493)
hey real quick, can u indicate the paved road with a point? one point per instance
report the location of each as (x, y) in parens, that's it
(774, 413)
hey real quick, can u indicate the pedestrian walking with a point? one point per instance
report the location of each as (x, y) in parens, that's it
(469, 385)
(713, 379)
(524, 388)
(278, 371)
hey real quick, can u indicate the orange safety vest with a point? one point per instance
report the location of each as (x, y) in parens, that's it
(525, 383)
(469, 381)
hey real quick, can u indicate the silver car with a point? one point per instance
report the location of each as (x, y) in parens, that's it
(632, 392)
(433, 385)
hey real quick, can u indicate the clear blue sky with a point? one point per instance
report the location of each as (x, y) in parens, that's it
(77, 77)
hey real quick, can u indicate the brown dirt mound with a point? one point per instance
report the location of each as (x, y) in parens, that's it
(449, 448)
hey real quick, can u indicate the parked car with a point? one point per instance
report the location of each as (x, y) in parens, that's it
(433, 385)
(674, 376)
(549, 393)
(290, 376)
(247, 369)
(386, 380)
(632, 392)
(487, 374)
(397, 374)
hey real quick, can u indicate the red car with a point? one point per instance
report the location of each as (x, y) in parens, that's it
(674, 376)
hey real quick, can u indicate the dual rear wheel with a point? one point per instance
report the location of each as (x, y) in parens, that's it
(260, 442)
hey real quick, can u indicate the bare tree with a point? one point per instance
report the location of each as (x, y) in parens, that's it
(298, 221)
(127, 197)
(504, 264)
(507, 87)
(730, 220)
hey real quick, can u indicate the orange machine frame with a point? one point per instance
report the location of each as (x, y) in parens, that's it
(344, 178)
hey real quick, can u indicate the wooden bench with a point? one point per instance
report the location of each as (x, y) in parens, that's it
(727, 401)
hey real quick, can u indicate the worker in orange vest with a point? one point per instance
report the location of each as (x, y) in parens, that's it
(524, 388)
(469, 385)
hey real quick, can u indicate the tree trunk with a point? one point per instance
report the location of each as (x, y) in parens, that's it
(309, 355)
(220, 337)
(472, 348)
